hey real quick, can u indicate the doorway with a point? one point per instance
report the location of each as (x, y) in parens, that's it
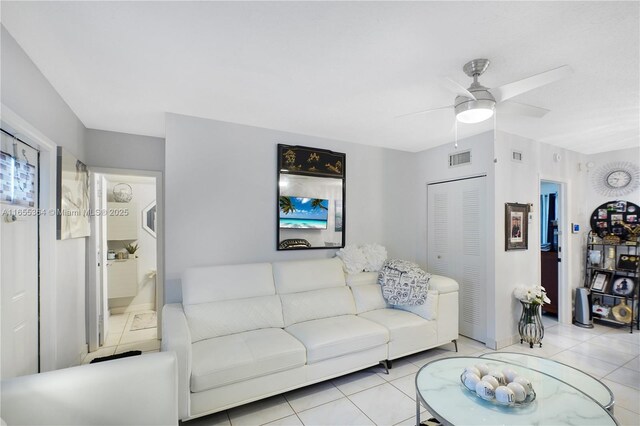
(550, 243)
(125, 294)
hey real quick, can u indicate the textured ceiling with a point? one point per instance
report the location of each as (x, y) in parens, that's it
(341, 70)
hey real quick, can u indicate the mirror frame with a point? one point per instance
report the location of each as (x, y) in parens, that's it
(327, 164)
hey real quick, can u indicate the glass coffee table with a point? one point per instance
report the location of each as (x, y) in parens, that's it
(439, 390)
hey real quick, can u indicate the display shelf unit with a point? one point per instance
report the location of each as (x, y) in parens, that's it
(605, 266)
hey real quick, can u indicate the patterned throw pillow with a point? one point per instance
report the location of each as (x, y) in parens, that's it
(403, 283)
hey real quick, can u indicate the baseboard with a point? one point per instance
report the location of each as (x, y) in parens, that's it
(132, 308)
(499, 344)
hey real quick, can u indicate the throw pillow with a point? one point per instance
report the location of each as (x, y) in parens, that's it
(353, 259)
(375, 255)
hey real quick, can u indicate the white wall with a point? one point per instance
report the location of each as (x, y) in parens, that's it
(28, 94)
(520, 182)
(143, 195)
(124, 150)
(221, 195)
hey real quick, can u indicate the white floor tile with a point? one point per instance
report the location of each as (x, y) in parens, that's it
(625, 376)
(287, 421)
(312, 396)
(384, 404)
(593, 366)
(113, 338)
(604, 354)
(422, 358)
(401, 368)
(216, 419)
(634, 364)
(139, 335)
(571, 331)
(468, 346)
(626, 417)
(261, 412)
(411, 421)
(359, 381)
(144, 346)
(617, 342)
(341, 412)
(547, 350)
(560, 341)
(624, 396)
(406, 384)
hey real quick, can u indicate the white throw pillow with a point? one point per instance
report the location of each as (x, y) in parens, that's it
(375, 255)
(353, 259)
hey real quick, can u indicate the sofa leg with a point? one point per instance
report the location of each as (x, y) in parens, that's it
(385, 366)
(455, 342)
(389, 364)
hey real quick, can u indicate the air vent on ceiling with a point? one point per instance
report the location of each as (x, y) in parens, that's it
(460, 158)
(516, 156)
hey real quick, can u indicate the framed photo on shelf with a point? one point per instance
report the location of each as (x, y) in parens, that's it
(623, 285)
(628, 262)
(600, 281)
(516, 219)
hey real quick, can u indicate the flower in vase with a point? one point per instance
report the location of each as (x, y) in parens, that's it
(536, 295)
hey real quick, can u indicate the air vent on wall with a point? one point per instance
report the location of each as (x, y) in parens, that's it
(516, 156)
(460, 158)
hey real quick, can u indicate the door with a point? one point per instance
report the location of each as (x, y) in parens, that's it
(19, 259)
(550, 243)
(456, 246)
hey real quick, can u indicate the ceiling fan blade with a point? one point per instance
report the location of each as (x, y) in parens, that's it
(457, 88)
(510, 107)
(424, 111)
(517, 87)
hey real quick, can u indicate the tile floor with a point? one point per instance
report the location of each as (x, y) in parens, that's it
(120, 338)
(371, 397)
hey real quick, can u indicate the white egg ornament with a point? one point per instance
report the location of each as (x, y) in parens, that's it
(498, 375)
(505, 395)
(471, 380)
(526, 384)
(490, 379)
(485, 390)
(484, 369)
(472, 369)
(509, 374)
(518, 390)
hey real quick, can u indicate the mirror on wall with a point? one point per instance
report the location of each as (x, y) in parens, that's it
(311, 198)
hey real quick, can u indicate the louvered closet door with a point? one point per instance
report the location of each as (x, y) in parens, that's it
(456, 246)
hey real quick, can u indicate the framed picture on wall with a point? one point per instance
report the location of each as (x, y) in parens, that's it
(516, 219)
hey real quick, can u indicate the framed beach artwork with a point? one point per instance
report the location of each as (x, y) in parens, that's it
(73, 197)
(516, 226)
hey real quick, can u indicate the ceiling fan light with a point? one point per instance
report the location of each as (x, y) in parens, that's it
(472, 112)
(473, 116)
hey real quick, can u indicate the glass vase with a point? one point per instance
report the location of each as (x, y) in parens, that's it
(530, 325)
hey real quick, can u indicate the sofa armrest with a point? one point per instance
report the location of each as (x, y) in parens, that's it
(138, 390)
(443, 284)
(176, 337)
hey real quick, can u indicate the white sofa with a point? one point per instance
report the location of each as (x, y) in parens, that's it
(139, 390)
(246, 332)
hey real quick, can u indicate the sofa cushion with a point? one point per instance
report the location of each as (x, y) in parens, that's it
(332, 337)
(215, 283)
(237, 357)
(317, 304)
(305, 275)
(428, 310)
(368, 297)
(407, 332)
(362, 278)
(214, 319)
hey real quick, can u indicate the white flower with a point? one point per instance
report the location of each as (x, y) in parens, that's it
(533, 294)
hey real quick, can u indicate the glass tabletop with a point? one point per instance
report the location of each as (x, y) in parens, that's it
(576, 378)
(439, 388)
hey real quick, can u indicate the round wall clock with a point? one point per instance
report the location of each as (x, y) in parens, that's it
(617, 178)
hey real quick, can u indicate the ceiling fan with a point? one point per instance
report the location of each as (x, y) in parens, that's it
(477, 103)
